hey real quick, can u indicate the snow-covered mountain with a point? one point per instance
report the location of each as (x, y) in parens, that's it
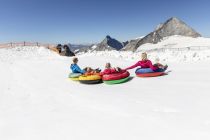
(172, 48)
(172, 26)
(177, 42)
(109, 43)
(76, 47)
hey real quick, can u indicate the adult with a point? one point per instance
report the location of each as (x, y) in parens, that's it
(147, 65)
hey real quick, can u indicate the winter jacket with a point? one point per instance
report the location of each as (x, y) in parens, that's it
(143, 64)
(76, 69)
(108, 71)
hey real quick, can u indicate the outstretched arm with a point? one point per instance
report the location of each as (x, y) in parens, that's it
(80, 70)
(133, 66)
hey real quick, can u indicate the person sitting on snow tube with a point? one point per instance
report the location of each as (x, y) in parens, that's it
(91, 76)
(147, 66)
(76, 69)
(114, 75)
(90, 71)
(109, 70)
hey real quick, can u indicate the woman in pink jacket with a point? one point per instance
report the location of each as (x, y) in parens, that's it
(147, 66)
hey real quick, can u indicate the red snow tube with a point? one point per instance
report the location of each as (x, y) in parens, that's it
(154, 74)
(116, 76)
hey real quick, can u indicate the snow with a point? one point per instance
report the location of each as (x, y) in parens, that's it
(170, 49)
(164, 55)
(94, 47)
(178, 42)
(39, 102)
(139, 37)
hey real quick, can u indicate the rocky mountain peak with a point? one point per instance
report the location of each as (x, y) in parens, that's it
(172, 26)
(109, 43)
(108, 37)
(173, 19)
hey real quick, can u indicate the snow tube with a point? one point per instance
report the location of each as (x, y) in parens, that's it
(111, 82)
(144, 70)
(90, 79)
(74, 79)
(154, 74)
(148, 70)
(74, 76)
(116, 76)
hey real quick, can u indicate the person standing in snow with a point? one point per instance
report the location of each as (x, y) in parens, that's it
(146, 63)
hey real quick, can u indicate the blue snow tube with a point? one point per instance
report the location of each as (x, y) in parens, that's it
(148, 70)
(144, 70)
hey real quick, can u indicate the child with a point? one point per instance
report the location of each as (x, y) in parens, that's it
(90, 71)
(109, 70)
(87, 71)
(159, 65)
(75, 68)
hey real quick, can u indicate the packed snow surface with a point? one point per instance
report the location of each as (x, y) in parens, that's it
(39, 102)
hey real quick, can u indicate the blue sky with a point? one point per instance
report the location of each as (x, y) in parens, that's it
(89, 21)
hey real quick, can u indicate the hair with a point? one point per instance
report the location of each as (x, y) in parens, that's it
(157, 60)
(75, 60)
(108, 66)
(144, 56)
(89, 69)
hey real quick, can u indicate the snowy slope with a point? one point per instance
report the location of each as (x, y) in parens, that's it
(170, 49)
(178, 42)
(38, 102)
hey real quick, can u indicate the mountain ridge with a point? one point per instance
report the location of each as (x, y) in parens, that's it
(172, 26)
